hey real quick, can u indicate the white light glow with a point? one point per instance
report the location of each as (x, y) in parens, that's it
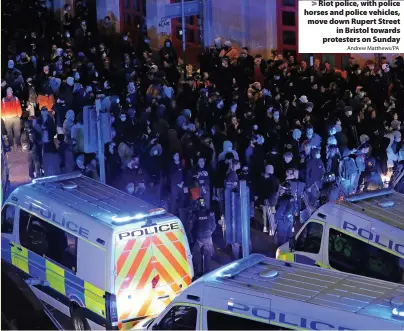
(128, 218)
(397, 312)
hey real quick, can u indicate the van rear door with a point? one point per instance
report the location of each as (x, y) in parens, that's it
(153, 264)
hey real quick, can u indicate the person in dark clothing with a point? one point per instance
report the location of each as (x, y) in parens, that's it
(203, 228)
(268, 198)
(176, 178)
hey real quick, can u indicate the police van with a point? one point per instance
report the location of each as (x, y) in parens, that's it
(362, 234)
(260, 293)
(95, 253)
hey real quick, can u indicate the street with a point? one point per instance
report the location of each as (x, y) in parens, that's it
(17, 160)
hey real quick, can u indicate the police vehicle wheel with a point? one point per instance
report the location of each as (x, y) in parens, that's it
(79, 321)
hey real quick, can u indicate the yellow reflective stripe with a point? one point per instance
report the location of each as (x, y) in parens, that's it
(322, 265)
(14, 255)
(23, 263)
(55, 275)
(94, 299)
(263, 320)
(290, 257)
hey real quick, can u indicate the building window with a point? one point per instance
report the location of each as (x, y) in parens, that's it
(220, 321)
(330, 58)
(288, 18)
(48, 240)
(133, 11)
(289, 38)
(179, 318)
(348, 254)
(309, 239)
(7, 219)
(289, 3)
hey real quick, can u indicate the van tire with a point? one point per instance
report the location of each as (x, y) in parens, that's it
(78, 319)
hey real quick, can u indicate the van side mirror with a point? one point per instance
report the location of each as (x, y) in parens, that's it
(292, 243)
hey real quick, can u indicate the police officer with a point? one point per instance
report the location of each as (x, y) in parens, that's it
(203, 228)
(289, 205)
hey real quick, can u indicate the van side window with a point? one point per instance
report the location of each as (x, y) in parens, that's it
(309, 239)
(220, 321)
(7, 219)
(346, 253)
(48, 240)
(179, 318)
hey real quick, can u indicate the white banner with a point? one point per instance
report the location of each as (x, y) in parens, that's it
(367, 26)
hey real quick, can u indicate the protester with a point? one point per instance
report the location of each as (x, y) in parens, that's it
(178, 140)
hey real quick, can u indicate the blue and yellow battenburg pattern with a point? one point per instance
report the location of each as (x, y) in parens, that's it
(62, 280)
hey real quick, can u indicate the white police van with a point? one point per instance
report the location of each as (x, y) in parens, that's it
(260, 293)
(99, 255)
(362, 234)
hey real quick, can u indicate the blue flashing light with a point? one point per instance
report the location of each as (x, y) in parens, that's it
(124, 219)
(237, 267)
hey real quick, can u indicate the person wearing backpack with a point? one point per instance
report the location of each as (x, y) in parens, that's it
(348, 171)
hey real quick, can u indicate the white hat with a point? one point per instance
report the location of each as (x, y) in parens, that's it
(70, 81)
(303, 99)
(364, 138)
(227, 43)
(10, 64)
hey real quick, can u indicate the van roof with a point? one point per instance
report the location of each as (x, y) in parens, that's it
(261, 275)
(92, 198)
(393, 215)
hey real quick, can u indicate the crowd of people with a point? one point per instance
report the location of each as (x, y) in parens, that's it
(181, 137)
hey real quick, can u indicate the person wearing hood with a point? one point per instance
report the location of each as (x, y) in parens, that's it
(201, 173)
(177, 180)
(312, 137)
(77, 134)
(154, 168)
(268, 193)
(45, 92)
(315, 170)
(228, 51)
(348, 172)
(60, 109)
(169, 61)
(227, 148)
(244, 69)
(13, 76)
(68, 125)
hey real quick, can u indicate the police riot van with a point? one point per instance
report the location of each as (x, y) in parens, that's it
(96, 254)
(362, 234)
(260, 293)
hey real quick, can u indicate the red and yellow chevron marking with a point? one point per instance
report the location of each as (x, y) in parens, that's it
(138, 262)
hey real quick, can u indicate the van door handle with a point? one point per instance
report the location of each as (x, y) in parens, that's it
(11, 244)
(19, 248)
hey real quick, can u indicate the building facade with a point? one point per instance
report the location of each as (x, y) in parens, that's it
(262, 25)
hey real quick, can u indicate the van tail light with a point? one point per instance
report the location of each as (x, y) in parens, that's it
(112, 311)
(155, 280)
